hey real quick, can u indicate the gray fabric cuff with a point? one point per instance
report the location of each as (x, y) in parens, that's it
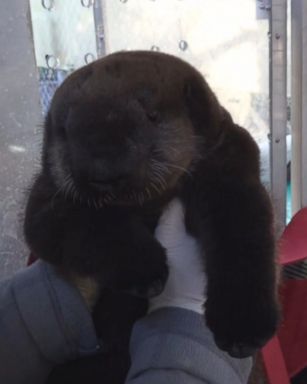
(54, 313)
(177, 339)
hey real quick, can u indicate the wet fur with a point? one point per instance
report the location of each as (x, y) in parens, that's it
(146, 127)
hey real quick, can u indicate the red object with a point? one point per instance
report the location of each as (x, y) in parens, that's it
(286, 353)
(293, 242)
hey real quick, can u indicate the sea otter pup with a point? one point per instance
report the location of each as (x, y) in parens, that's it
(123, 136)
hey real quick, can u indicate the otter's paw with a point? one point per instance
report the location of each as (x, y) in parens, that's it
(146, 275)
(240, 324)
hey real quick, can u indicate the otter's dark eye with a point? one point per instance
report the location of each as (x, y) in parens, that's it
(153, 116)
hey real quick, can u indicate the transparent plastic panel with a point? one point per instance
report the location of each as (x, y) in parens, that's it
(19, 141)
(63, 33)
(64, 40)
(227, 41)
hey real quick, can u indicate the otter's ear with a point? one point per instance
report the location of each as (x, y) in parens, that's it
(203, 108)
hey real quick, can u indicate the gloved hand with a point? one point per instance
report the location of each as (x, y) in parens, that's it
(185, 287)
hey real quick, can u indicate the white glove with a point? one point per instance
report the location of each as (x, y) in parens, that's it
(185, 287)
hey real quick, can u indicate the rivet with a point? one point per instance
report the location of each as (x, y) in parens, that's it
(89, 58)
(87, 4)
(183, 45)
(52, 61)
(155, 48)
(48, 4)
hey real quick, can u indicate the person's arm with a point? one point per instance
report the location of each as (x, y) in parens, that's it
(44, 321)
(172, 344)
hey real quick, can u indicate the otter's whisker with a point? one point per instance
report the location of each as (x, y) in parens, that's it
(108, 199)
(159, 177)
(69, 188)
(185, 170)
(155, 187)
(95, 204)
(161, 168)
(140, 198)
(130, 196)
(74, 195)
(60, 189)
(135, 195)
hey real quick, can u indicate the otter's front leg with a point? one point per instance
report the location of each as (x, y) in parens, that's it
(110, 244)
(117, 249)
(238, 246)
(229, 211)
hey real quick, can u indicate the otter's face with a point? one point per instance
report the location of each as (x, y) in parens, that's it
(119, 141)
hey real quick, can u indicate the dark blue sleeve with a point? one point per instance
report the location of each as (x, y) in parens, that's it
(43, 321)
(173, 346)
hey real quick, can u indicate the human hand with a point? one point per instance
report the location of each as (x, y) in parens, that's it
(185, 287)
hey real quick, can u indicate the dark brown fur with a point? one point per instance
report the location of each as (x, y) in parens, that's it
(123, 136)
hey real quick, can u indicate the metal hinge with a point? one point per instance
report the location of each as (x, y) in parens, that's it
(263, 8)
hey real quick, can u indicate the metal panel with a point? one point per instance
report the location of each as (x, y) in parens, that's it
(278, 78)
(299, 102)
(99, 27)
(19, 117)
(296, 104)
(304, 109)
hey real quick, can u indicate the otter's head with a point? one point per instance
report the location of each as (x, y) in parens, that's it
(125, 128)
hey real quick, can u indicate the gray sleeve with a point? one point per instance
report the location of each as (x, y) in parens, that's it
(43, 321)
(173, 346)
